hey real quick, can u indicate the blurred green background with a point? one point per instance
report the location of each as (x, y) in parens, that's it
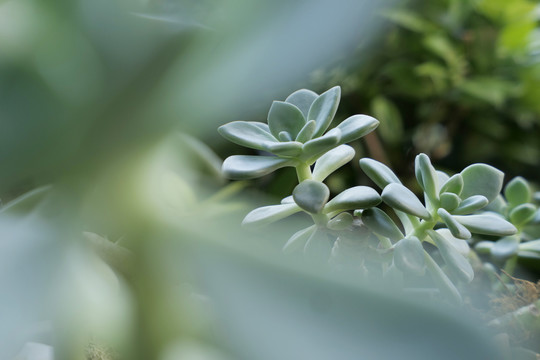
(94, 94)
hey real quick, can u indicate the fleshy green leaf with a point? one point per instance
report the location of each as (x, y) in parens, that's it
(471, 204)
(442, 178)
(458, 230)
(456, 262)
(522, 214)
(322, 144)
(403, 199)
(285, 117)
(285, 149)
(242, 167)
(487, 224)
(441, 280)
(426, 176)
(380, 223)
(299, 239)
(302, 99)
(453, 185)
(409, 256)
(248, 134)
(462, 246)
(331, 161)
(449, 201)
(26, 202)
(284, 136)
(324, 108)
(311, 195)
(341, 222)
(517, 191)
(307, 132)
(356, 126)
(358, 197)
(483, 247)
(481, 179)
(378, 172)
(268, 214)
(504, 248)
(533, 245)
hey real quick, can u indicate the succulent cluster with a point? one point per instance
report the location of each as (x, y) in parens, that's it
(456, 210)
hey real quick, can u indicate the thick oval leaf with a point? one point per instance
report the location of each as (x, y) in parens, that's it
(483, 247)
(441, 280)
(471, 204)
(302, 99)
(311, 195)
(242, 167)
(456, 262)
(426, 176)
(458, 230)
(517, 191)
(462, 246)
(26, 202)
(442, 178)
(409, 256)
(341, 222)
(331, 161)
(299, 239)
(356, 126)
(379, 173)
(487, 224)
(313, 148)
(358, 197)
(284, 136)
(453, 185)
(403, 199)
(285, 149)
(380, 223)
(324, 108)
(481, 179)
(268, 214)
(248, 134)
(285, 117)
(504, 248)
(522, 214)
(307, 132)
(533, 245)
(449, 201)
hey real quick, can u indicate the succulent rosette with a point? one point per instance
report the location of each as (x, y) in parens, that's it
(296, 134)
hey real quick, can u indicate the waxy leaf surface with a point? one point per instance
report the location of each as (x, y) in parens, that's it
(302, 99)
(517, 191)
(324, 108)
(268, 214)
(458, 230)
(311, 195)
(409, 256)
(403, 199)
(358, 197)
(481, 179)
(242, 167)
(248, 134)
(487, 224)
(378, 172)
(331, 161)
(285, 117)
(471, 204)
(356, 127)
(380, 223)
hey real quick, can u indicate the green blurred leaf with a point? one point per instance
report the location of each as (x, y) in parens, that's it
(391, 127)
(357, 197)
(340, 222)
(409, 20)
(522, 214)
(403, 199)
(299, 239)
(311, 195)
(409, 256)
(26, 202)
(489, 89)
(517, 191)
(504, 248)
(456, 262)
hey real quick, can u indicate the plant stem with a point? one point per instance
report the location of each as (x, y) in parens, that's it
(303, 171)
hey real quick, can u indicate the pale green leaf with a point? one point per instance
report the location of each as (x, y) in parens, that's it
(453, 185)
(481, 179)
(409, 256)
(331, 161)
(487, 224)
(403, 199)
(504, 248)
(458, 230)
(324, 108)
(285, 149)
(285, 117)
(248, 134)
(441, 280)
(380, 223)
(462, 246)
(449, 201)
(299, 239)
(268, 214)
(356, 126)
(426, 176)
(340, 222)
(302, 99)
(311, 195)
(522, 214)
(307, 132)
(358, 197)
(378, 172)
(471, 204)
(313, 148)
(242, 167)
(456, 262)
(517, 191)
